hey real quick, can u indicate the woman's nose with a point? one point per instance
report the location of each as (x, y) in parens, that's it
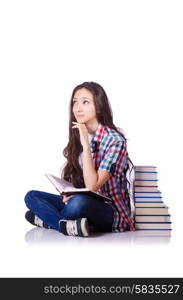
(79, 107)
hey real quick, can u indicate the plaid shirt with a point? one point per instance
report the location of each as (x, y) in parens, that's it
(109, 153)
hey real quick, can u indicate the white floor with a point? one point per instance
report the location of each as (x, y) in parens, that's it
(28, 251)
(37, 236)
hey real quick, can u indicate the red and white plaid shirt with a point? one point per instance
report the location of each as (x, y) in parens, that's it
(109, 153)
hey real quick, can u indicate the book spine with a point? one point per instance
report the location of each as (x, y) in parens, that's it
(145, 175)
(146, 189)
(150, 204)
(146, 182)
(147, 195)
(155, 226)
(145, 168)
(151, 210)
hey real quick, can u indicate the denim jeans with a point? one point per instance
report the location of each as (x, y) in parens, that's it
(51, 209)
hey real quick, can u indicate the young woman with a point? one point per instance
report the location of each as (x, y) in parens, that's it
(97, 159)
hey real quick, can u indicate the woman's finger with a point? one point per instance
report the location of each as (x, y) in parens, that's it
(66, 198)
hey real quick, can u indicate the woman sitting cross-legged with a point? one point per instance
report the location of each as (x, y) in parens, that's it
(97, 159)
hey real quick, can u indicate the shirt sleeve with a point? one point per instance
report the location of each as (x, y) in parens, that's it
(114, 158)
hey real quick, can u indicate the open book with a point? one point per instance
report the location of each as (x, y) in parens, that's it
(66, 188)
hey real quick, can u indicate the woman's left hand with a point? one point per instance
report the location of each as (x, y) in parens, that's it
(66, 198)
(83, 132)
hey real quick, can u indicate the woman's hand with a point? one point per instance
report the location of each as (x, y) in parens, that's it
(83, 132)
(66, 198)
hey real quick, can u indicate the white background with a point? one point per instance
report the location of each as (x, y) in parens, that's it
(134, 50)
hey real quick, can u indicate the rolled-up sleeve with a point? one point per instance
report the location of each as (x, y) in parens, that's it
(114, 158)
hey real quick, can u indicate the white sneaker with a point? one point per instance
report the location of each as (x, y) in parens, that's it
(78, 227)
(34, 220)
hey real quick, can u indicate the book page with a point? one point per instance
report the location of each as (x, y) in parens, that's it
(73, 189)
(60, 184)
(64, 186)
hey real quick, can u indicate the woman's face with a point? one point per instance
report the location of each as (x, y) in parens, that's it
(84, 107)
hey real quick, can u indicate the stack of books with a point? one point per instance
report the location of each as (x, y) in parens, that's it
(151, 213)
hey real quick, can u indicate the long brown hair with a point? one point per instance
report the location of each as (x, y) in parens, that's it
(72, 171)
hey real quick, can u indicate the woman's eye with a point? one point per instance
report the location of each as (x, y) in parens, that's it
(85, 101)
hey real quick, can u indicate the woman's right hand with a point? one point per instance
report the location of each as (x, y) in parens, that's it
(66, 198)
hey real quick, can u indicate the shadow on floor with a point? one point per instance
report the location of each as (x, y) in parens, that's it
(49, 236)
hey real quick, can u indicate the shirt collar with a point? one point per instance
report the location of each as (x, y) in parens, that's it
(97, 137)
(98, 133)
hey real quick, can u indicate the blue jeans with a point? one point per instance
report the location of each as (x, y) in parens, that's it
(51, 209)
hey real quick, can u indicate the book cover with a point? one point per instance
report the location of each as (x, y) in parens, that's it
(66, 188)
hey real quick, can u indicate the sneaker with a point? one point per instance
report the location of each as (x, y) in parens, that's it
(34, 220)
(77, 227)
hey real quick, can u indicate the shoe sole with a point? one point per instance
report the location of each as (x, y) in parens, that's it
(84, 227)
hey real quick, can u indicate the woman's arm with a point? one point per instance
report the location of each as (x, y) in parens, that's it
(93, 179)
(112, 164)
